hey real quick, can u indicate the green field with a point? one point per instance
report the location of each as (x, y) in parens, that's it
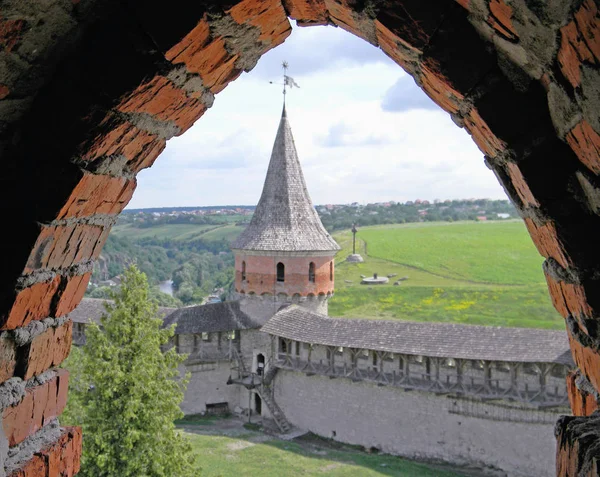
(474, 273)
(179, 232)
(487, 273)
(489, 252)
(235, 453)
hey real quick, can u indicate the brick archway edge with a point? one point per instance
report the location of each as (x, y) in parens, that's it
(91, 91)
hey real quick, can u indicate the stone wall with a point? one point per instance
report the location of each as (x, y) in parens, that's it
(516, 439)
(208, 385)
(262, 307)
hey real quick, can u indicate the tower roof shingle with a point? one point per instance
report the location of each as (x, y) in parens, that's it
(285, 219)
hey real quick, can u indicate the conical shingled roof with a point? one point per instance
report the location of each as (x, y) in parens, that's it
(285, 219)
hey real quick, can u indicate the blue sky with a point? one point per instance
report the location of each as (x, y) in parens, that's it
(363, 130)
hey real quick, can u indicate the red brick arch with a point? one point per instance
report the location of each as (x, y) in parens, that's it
(91, 91)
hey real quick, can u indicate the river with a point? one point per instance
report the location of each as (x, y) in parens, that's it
(166, 287)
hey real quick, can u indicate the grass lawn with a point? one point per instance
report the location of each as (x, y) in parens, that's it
(492, 252)
(473, 273)
(251, 453)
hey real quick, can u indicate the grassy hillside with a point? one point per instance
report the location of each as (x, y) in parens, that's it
(475, 273)
(492, 252)
(166, 231)
(179, 232)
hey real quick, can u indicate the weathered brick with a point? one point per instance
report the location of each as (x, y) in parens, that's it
(342, 15)
(582, 403)
(568, 299)
(46, 350)
(160, 98)
(267, 15)
(62, 388)
(396, 48)
(4, 91)
(577, 446)
(40, 405)
(585, 142)
(32, 303)
(60, 459)
(206, 56)
(121, 138)
(60, 246)
(98, 194)
(11, 32)
(70, 293)
(546, 239)
(439, 90)
(579, 42)
(588, 361)
(520, 185)
(8, 358)
(483, 136)
(500, 19)
(307, 12)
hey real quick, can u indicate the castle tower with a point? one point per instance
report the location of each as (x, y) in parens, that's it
(285, 255)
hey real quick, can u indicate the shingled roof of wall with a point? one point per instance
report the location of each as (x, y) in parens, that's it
(285, 219)
(92, 309)
(224, 316)
(443, 340)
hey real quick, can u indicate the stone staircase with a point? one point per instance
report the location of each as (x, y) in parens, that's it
(270, 375)
(274, 409)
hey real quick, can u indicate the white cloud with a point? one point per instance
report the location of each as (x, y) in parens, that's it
(362, 129)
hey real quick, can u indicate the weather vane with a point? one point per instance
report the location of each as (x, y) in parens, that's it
(287, 80)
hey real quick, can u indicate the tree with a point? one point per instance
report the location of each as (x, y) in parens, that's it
(134, 391)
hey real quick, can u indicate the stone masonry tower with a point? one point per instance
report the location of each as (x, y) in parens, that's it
(285, 255)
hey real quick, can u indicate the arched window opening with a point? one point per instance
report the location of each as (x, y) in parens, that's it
(280, 272)
(331, 271)
(243, 271)
(311, 272)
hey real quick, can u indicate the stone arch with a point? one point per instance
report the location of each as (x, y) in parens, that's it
(282, 296)
(98, 100)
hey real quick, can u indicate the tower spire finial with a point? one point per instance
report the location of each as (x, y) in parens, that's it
(285, 66)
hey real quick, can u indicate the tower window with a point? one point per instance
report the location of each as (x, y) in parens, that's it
(243, 271)
(311, 272)
(280, 272)
(331, 271)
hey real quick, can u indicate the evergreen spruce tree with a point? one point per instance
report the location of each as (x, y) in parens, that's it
(134, 391)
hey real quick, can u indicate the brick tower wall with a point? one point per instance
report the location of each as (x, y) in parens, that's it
(261, 275)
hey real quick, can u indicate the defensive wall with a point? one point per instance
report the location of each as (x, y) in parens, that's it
(430, 391)
(514, 438)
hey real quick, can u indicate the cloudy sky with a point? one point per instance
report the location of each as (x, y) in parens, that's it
(363, 130)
